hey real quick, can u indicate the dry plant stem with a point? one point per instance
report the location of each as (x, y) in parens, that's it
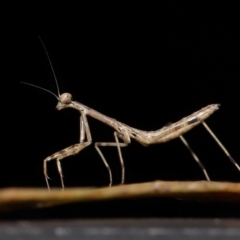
(18, 198)
(122, 131)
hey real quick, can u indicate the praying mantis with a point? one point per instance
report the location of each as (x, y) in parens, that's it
(123, 132)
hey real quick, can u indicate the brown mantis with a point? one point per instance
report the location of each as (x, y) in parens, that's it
(124, 132)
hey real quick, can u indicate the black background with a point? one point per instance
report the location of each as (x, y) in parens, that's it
(144, 64)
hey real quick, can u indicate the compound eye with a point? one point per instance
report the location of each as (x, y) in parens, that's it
(66, 98)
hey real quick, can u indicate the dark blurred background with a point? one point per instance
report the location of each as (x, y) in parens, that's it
(144, 64)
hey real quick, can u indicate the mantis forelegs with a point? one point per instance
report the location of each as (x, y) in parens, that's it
(72, 150)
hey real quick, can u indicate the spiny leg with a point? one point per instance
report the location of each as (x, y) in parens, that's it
(104, 161)
(221, 145)
(126, 140)
(82, 130)
(195, 157)
(72, 150)
(60, 172)
(125, 137)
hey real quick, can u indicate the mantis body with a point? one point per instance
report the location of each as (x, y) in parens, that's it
(124, 132)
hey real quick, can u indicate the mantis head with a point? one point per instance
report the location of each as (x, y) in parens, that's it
(64, 101)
